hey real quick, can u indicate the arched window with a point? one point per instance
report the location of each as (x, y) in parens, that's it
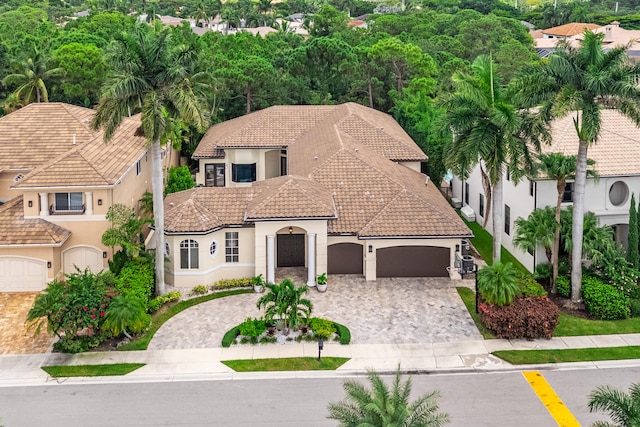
(188, 254)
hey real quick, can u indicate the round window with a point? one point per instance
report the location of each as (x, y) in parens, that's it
(212, 248)
(167, 249)
(618, 193)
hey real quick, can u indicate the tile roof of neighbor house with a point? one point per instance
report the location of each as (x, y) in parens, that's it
(341, 166)
(16, 230)
(93, 163)
(571, 29)
(617, 151)
(33, 135)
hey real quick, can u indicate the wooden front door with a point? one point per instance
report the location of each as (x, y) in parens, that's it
(290, 250)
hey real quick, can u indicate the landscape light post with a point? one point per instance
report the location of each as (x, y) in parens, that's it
(475, 270)
(320, 347)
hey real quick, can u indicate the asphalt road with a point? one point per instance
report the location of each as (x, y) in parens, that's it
(472, 400)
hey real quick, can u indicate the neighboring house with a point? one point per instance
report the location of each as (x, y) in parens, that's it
(614, 36)
(617, 157)
(58, 178)
(335, 189)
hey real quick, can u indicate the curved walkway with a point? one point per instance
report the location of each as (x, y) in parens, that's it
(387, 311)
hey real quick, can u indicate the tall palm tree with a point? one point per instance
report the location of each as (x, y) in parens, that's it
(597, 241)
(379, 406)
(31, 77)
(151, 76)
(487, 131)
(560, 168)
(623, 408)
(578, 82)
(285, 302)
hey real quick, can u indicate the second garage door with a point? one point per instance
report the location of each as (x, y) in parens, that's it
(344, 258)
(412, 261)
(19, 274)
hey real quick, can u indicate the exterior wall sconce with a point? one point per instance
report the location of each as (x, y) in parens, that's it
(99, 202)
(370, 248)
(30, 203)
(290, 230)
(104, 254)
(48, 264)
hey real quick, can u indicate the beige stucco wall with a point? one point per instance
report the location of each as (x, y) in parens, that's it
(6, 181)
(211, 269)
(411, 165)
(267, 164)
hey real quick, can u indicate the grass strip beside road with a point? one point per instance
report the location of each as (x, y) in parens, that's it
(114, 369)
(528, 357)
(469, 299)
(286, 364)
(158, 319)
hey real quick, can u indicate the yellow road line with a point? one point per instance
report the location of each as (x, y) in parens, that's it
(550, 399)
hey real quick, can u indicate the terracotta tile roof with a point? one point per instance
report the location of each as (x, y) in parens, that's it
(207, 209)
(33, 135)
(290, 197)
(94, 163)
(341, 161)
(571, 29)
(617, 151)
(16, 230)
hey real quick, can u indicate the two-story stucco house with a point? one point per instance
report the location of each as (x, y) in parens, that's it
(58, 178)
(617, 157)
(334, 189)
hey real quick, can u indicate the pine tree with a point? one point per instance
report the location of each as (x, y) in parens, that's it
(632, 244)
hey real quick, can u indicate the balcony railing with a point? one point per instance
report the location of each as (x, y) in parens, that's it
(72, 210)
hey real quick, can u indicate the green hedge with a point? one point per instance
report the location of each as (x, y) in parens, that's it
(343, 332)
(230, 336)
(603, 301)
(245, 282)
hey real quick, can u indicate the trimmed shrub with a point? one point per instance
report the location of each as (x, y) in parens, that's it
(199, 290)
(635, 307)
(230, 337)
(252, 327)
(244, 282)
(564, 286)
(529, 287)
(498, 283)
(343, 332)
(530, 318)
(136, 280)
(322, 327)
(157, 302)
(603, 301)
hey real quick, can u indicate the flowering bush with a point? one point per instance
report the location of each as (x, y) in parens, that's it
(530, 317)
(621, 275)
(74, 307)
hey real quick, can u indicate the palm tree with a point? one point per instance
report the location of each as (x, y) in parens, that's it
(597, 241)
(379, 406)
(31, 78)
(498, 283)
(560, 168)
(623, 408)
(578, 81)
(151, 76)
(126, 314)
(539, 228)
(487, 131)
(285, 302)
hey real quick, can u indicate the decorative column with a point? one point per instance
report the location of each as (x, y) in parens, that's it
(271, 264)
(88, 202)
(44, 204)
(311, 259)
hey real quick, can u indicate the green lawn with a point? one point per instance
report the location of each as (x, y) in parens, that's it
(524, 357)
(469, 299)
(91, 370)
(483, 242)
(575, 326)
(158, 319)
(286, 364)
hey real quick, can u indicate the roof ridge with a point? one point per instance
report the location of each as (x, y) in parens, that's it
(381, 211)
(92, 166)
(86, 126)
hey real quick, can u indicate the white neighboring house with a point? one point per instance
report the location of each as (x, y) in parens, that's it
(617, 157)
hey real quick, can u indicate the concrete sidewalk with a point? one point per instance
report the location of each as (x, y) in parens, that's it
(175, 365)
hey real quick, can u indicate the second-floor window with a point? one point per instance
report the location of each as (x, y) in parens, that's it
(466, 193)
(507, 219)
(243, 172)
(567, 196)
(68, 202)
(481, 210)
(138, 167)
(214, 175)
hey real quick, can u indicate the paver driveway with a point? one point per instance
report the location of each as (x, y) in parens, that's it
(14, 336)
(400, 310)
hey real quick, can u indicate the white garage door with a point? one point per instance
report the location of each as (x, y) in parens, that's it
(82, 257)
(19, 274)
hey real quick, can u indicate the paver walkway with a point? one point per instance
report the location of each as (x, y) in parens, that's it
(387, 311)
(14, 336)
